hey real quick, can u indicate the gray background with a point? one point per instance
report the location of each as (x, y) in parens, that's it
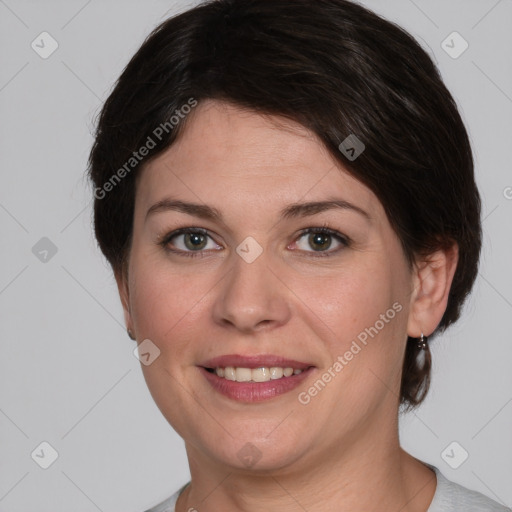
(67, 372)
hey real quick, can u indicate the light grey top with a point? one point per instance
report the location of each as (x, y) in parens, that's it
(449, 497)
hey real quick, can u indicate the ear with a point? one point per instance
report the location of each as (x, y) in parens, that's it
(124, 294)
(432, 280)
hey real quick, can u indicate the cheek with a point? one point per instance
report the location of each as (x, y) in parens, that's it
(346, 302)
(165, 303)
(359, 316)
(170, 308)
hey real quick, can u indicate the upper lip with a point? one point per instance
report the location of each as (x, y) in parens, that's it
(254, 361)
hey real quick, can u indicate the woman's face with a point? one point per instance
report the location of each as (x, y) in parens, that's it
(254, 285)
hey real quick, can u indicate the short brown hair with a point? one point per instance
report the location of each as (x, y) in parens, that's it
(334, 67)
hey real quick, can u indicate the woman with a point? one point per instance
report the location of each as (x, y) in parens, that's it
(285, 192)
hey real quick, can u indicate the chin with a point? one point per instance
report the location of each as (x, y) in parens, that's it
(256, 453)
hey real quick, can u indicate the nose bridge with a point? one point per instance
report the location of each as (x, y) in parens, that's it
(251, 297)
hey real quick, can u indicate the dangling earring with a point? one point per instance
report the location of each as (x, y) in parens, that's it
(422, 342)
(130, 334)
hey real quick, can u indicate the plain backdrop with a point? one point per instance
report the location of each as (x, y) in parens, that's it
(68, 376)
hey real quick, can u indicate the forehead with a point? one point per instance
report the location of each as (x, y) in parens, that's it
(229, 157)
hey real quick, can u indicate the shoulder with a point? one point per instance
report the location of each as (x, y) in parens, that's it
(453, 497)
(168, 504)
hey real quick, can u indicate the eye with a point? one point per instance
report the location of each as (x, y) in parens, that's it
(189, 240)
(320, 240)
(192, 242)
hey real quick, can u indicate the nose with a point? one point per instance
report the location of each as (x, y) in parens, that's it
(251, 298)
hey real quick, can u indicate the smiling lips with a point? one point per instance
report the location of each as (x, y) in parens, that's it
(254, 378)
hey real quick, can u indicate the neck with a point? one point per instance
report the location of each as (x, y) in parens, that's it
(361, 476)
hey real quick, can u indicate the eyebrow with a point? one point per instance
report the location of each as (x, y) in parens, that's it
(294, 210)
(314, 207)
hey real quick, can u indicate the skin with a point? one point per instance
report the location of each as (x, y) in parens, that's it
(341, 451)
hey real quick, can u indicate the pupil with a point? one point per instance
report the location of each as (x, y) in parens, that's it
(321, 240)
(194, 240)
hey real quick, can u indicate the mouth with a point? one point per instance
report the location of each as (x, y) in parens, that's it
(254, 378)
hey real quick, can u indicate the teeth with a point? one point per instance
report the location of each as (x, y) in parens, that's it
(229, 373)
(243, 374)
(276, 372)
(262, 374)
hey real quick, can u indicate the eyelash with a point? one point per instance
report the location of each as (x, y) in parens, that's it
(324, 230)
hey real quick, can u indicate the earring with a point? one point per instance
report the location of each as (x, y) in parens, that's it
(422, 342)
(130, 334)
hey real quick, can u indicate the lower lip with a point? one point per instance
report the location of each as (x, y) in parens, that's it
(254, 391)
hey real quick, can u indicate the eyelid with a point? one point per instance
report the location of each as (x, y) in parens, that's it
(344, 240)
(167, 237)
(327, 231)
